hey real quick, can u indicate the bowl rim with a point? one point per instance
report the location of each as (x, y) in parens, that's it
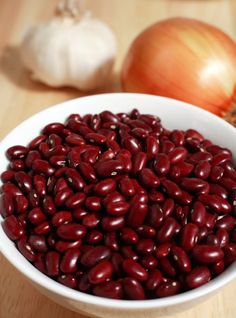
(45, 282)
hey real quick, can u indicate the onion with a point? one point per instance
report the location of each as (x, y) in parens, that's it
(183, 59)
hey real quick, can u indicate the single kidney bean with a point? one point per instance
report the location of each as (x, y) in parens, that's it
(68, 280)
(62, 196)
(74, 179)
(134, 270)
(148, 178)
(152, 147)
(42, 166)
(128, 236)
(156, 196)
(126, 161)
(105, 187)
(133, 289)
(112, 198)
(128, 252)
(227, 222)
(31, 157)
(113, 223)
(17, 165)
(69, 262)
(75, 200)
(207, 253)
(93, 203)
(162, 164)
(24, 181)
(149, 262)
(230, 253)
(220, 158)
(167, 146)
(189, 236)
(177, 154)
(25, 248)
(13, 228)
(139, 162)
(7, 175)
(177, 137)
(110, 289)
(167, 267)
(53, 263)
(216, 173)
(21, 204)
(167, 289)
(227, 183)
(155, 216)
(39, 263)
(202, 170)
(33, 199)
(91, 220)
(58, 151)
(61, 217)
(75, 140)
(218, 190)
(94, 237)
(6, 204)
(58, 161)
(36, 216)
(146, 231)
(217, 268)
(154, 280)
(139, 133)
(117, 208)
(130, 143)
(109, 168)
(223, 237)
(38, 243)
(106, 115)
(127, 187)
(193, 184)
(40, 185)
(137, 214)
(79, 213)
(100, 272)
(192, 133)
(114, 146)
(49, 205)
(63, 246)
(91, 155)
(87, 172)
(54, 140)
(215, 202)
(145, 246)
(181, 258)
(212, 240)
(199, 156)
(16, 152)
(11, 189)
(53, 128)
(198, 276)
(71, 231)
(36, 142)
(171, 188)
(42, 228)
(167, 230)
(44, 149)
(198, 214)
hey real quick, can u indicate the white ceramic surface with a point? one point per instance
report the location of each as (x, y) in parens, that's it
(174, 114)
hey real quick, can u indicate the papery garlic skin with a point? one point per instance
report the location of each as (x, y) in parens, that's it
(67, 52)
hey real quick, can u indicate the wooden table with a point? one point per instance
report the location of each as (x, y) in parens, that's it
(20, 98)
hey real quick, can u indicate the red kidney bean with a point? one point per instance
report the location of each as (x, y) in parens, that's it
(189, 236)
(218, 190)
(16, 152)
(100, 272)
(36, 142)
(152, 147)
(133, 289)
(44, 149)
(75, 140)
(54, 140)
(127, 187)
(114, 146)
(154, 280)
(198, 214)
(63, 246)
(126, 161)
(148, 178)
(74, 179)
(117, 260)
(42, 166)
(227, 222)
(49, 205)
(11, 189)
(177, 137)
(113, 223)
(167, 289)
(38, 243)
(202, 170)
(12, 227)
(167, 146)
(84, 285)
(220, 158)
(36, 216)
(53, 128)
(91, 220)
(105, 187)
(223, 237)
(149, 262)
(167, 267)
(139, 133)
(69, 262)
(111, 241)
(199, 156)
(61, 217)
(130, 143)
(212, 240)
(218, 267)
(106, 115)
(117, 208)
(193, 184)
(145, 246)
(75, 200)
(71, 231)
(184, 168)
(146, 231)
(128, 236)
(155, 216)
(87, 172)
(109, 168)
(91, 155)
(6, 204)
(230, 253)
(134, 270)
(181, 258)
(112, 198)
(40, 185)
(137, 214)
(167, 230)
(53, 263)
(42, 228)
(17, 165)
(62, 196)
(215, 202)
(227, 183)
(139, 162)
(171, 188)
(207, 253)
(68, 280)
(58, 161)
(94, 237)
(25, 249)
(93, 203)
(198, 276)
(162, 250)
(7, 175)
(39, 262)
(128, 253)
(177, 154)
(192, 133)
(24, 181)
(156, 196)
(216, 173)
(21, 204)
(109, 290)
(162, 164)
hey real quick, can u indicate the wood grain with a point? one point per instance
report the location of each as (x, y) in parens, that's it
(20, 98)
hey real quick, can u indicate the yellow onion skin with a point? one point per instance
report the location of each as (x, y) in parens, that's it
(183, 59)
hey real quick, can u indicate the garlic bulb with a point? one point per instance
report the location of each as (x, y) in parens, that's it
(70, 52)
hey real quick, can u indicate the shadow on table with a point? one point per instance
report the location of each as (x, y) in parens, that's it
(12, 67)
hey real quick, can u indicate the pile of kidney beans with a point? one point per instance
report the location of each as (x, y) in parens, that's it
(120, 207)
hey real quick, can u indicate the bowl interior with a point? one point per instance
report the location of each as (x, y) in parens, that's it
(174, 115)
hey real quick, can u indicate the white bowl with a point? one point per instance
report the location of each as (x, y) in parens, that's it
(174, 114)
